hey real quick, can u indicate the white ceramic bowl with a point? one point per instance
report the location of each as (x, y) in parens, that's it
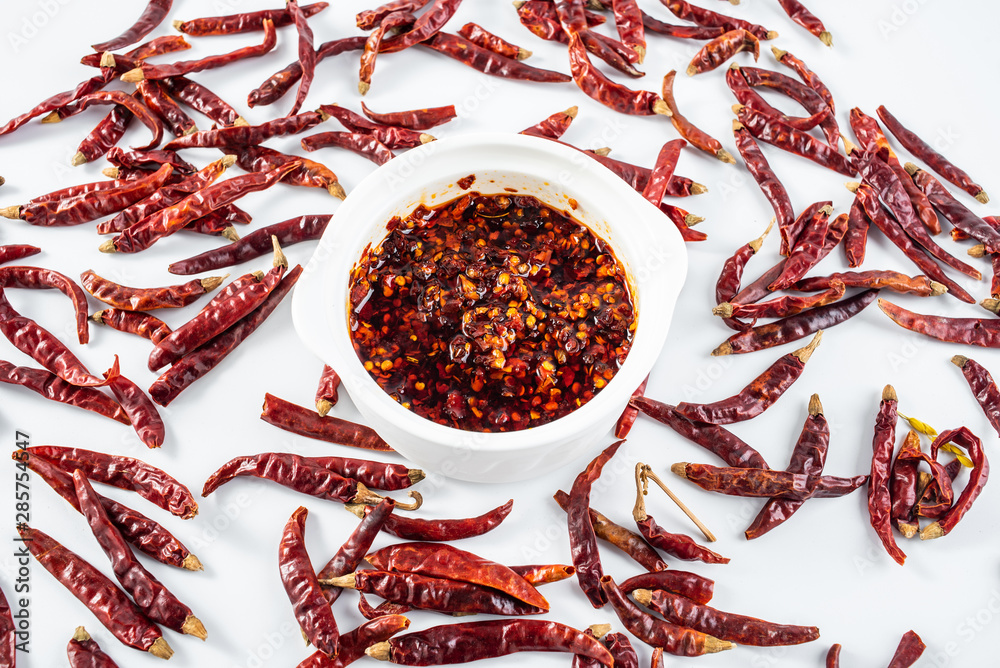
(648, 245)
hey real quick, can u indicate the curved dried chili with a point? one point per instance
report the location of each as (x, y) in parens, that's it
(698, 138)
(312, 610)
(84, 652)
(298, 420)
(583, 541)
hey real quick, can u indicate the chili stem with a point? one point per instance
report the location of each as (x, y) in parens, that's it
(648, 473)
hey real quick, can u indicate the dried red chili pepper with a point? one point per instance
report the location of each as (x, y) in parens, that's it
(280, 82)
(808, 457)
(798, 13)
(246, 135)
(682, 32)
(812, 101)
(425, 28)
(658, 633)
(440, 530)
(354, 643)
(899, 237)
(353, 551)
(983, 387)
(908, 651)
(724, 625)
(255, 244)
(731, 275)
(148, 536)
(201, 99)
(52, 387)
(307, 53)
(153, 599)
(583, 541)
(370, 18)
(88, 206)
(638, 177)
(611, 51)
(113, 97)
(879, 499)
(394, 21)
(721, 49)
(705, 17)
(796, 326)
(966, 440)
(8, 633)
(758, 395)
(613, 95)
(682, 220)
(165, 222)
(675, 544)
(166, 108)
(326, 393)
(778, 134)
(149, 482)
(152, 16)
(32, 339)
(437, 560)
(748, 96)
(308, 174)
(484, 60)
(362, 144)
(628, 416)
(104, 136)
(180, 68)
(482, 37)
(470, 641)
(234, 24)
(377, 475)
(856, 237)
(167, 195)
(312, 611)
(718, 440)
(193, 366)
(767, 180)
(957, 213)
(15, 252)
(159, 46)
(881, 280)
(142, 413)
(554, 126)
(416, 119)
(133, 322)
(807, 75)
(918, 147)
(147, 299)
(695, 587)
(430, 593)
(539, 574)
(813, 242)
(903, 482)
(780, 307)
(60, 100)
(884, 181)
(698, 138)
(392, 136)
(149, 160)
(972, 331)
(629, 23)
(542, 18)
(624, 539)
(759, 483)
(109, 604)
(38, 278)
(84, 652)
(663, 170)
(298, 420)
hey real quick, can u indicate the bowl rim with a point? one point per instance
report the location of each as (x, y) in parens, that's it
(358, 381)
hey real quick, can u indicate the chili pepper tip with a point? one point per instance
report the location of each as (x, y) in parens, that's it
(979, 250)
(723, 310)
(192, 626)
(603, 151)
(911, 169)
(815, 407)
(982, 197)
(337, 190)
(698, 188)
(133, 76)
(379, 651)
(11, 212)
(960, 361)
(426, 138)
(240, 122)
(724, 155)
(806, 352)
(279, 257)
(889, 393)
(212, 282)
(415, 475)
(771, 34)
(108, 247)
(323, 407)
(108, 59)
(938, 288)
(660, 107)
(680, 468)
(78, 159)
(363, 87)
(53, 117)
(231, 234)
(643, 596)
(991, 305)
(161, 649)
(826, 38)
(725, 348)
(852, 186)
(931, 531)
(110, 172)
(599, 630)
(192, 563)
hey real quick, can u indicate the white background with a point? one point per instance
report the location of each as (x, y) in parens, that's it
(932, 64)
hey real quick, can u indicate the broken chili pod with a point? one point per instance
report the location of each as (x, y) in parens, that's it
(147, 299)
(151, 17)
(929, 156)
(193, 366)
(554, 126)
(879, 498)
(39, 278)
(487, 62)
(109, 604)
(698, 138)
(626, 540)
(244, 22)
(312, 610)
(721, 49)
(354, 643)
(758, 395)
(796, 326)
(15, 252)
(441, 560)
(416, 119)
(180, 68)
(84, 652)
(539, 574)
(583, 541)
(978, 475)
(151, 483)
(628, 416)
(808, 457)
(724, 625)
(298, 420)
(689, 585)
(414, 528)
(470, 641)
(910, 648)
(54, 388)
(972, 331)
(326, 392)
(673, 639)
(714, 438)
(154, 599)
(983, 387)
(613, 95)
